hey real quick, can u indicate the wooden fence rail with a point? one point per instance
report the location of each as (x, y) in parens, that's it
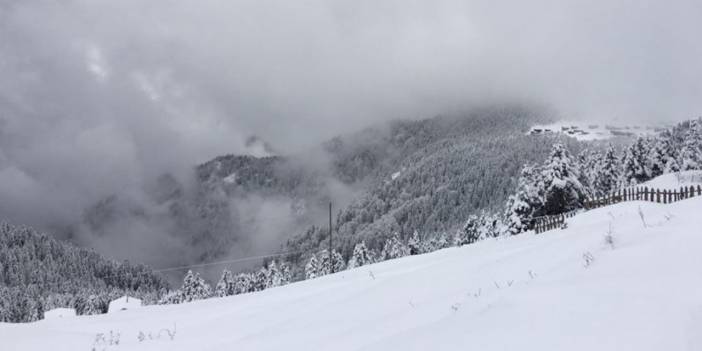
(545, 223)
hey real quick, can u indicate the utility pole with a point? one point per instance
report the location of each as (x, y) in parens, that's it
(331, 256)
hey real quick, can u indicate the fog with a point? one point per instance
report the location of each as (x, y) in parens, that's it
(101, 97)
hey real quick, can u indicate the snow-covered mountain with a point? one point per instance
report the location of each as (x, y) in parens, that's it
(404, 176)
(593, 131)
(566, 289)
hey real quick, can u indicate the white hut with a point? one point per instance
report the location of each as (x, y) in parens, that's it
(57, 313)
(124, 303)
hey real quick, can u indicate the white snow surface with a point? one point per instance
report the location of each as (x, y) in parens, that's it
(124, 303)
(673, 181)
(527, 292)
(60, 313)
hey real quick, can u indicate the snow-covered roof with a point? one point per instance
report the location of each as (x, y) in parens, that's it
(124, 303)
(59, 313)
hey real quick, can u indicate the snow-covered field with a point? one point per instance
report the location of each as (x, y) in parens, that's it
(561, 290)
(674, 181)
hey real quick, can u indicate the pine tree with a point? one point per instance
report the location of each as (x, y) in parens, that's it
(563, 191)
(243, 283)
(635, 163)
(607, 173)
(273, 276)
(394, 248)
(415, 244)
(312, 268)
(526, 202)
(691, 153)
(194, 288)
(361, 256)
(337, 263)
(469, 234)
(225, 286)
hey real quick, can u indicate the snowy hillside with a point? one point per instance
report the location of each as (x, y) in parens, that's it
(675, 180)
(561, 290)
(588, 131)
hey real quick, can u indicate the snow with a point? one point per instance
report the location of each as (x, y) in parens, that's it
(395, 175)
(527, 292)
(231, 179)
(591, 131)
(59, 313)
(124, 303)
(673, 181)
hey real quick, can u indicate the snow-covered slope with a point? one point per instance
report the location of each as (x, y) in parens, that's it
(675, 180)
(522, 293)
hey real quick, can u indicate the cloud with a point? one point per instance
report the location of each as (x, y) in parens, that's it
(101, 97)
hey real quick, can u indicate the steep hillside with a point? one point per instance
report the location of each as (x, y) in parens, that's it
(38, 273)
(562, 290)
(425, 175)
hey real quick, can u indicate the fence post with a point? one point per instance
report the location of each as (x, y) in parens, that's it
(658, 195)
(699, 190)
(665, 196)
(645, 193)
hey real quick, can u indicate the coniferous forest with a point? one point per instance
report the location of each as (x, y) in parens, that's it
(485, 185)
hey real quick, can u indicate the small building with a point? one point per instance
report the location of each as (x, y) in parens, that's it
(58, 313)
(124, 303)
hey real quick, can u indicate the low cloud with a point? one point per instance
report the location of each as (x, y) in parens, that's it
(101, 97)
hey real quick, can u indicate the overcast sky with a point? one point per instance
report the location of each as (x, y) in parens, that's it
(96, 96)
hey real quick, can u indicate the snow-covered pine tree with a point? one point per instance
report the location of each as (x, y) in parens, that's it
(470, 233)
(285, 273)
(586, 165)
(274, 276)
(194, 287)
(662, 155)
(415, 244)
(361, 256)
(312, 268)
(394, 248)
(563, 191)
(337, 262)
(260, 279)
(691, 151)
(225, 286)
(489, 227)
(607, 173)
(527, 200)
(243, 283)
(635, 163)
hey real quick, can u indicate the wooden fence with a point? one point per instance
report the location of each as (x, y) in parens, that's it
(545, 223)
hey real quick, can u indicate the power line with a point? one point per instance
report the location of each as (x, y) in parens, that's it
(242, 259)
